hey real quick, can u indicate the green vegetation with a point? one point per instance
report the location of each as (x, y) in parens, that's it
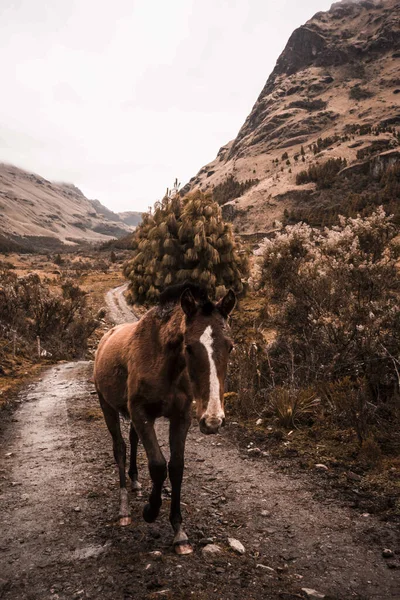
(184, 239)
(360, 194)
(231, 189)
(323, 143)
(323, 175)
(310, 105)
(359, 93)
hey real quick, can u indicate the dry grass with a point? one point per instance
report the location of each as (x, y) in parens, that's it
(17, 370)
(291, 408)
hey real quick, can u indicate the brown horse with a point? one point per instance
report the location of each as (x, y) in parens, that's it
(177, 353)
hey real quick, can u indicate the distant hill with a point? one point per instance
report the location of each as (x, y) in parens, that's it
(131, 218)
(333, 94)
(35, 212)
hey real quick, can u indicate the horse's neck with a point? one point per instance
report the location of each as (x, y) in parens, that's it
(172, 331)
(172, 340)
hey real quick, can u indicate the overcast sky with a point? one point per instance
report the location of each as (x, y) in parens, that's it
(121, 97)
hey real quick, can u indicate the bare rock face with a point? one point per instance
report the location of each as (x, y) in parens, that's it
(337, 72)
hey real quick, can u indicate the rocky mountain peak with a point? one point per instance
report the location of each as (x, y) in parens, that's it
(338, 71)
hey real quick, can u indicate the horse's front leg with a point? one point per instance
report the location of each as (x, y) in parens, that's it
(177, 438)
(157, 464)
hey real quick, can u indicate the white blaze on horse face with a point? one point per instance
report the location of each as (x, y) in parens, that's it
(214, 409)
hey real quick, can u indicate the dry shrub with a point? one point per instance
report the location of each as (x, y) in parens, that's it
(245, 379)
(350, 403)
(62, 321)
(338, 317)
(291, 408)
(370, 452)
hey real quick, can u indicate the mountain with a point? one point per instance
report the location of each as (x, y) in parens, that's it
(35, 212)
(131, 217)
(333, 94)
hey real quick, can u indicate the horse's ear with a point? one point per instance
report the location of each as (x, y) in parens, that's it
(188, 303)
(227, 304)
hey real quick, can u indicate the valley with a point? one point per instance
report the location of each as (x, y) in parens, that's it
(59, 515)
(299, 216)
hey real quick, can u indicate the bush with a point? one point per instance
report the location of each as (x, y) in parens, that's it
(184, 239)
(323, 175)
(359, 93)
(338, 317)
(231, 189)
(350, 196)
(291, 408)
(63, 322)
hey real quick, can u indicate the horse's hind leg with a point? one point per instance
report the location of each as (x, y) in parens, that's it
(133, 472)
(111, 417)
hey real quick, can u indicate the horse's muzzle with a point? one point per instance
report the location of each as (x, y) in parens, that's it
(211, 425)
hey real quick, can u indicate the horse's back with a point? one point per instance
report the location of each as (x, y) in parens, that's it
(110, 365)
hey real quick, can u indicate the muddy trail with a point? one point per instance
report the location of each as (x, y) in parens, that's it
(59, 508)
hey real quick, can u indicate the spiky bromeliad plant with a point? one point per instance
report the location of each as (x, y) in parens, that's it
(184, 239)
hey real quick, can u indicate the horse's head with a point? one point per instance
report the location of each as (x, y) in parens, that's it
(207, 348)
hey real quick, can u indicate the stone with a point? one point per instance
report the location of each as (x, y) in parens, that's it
(265, 513)
(156, 554)
(321, 467)
(211, 550)
(313, 594)
(236, 546)
(353, 476)
(254, 451)
(259, 422)
(387, 553)
(265, 568)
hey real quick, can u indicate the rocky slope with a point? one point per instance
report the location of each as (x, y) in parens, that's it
(35, 212)
(337, 81)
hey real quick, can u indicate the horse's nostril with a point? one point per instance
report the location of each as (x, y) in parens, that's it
(210, 425)
(223, 422)
(203, 426)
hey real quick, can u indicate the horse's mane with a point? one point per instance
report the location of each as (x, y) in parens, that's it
(172, 294)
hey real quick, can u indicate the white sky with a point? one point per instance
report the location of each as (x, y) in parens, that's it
(121, 97)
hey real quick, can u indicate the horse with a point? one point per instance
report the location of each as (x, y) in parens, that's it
(175, 354)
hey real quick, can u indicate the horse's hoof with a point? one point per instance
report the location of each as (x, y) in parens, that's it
(124, 521)
(149, 515)
(136, 487)
(183, 548)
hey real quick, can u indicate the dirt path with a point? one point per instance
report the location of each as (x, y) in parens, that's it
(59, 502)
(118, 310)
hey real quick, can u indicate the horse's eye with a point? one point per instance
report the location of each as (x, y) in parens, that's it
(189, 349)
